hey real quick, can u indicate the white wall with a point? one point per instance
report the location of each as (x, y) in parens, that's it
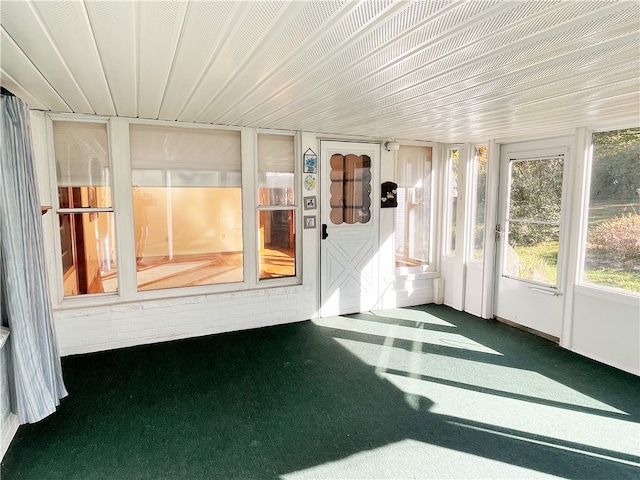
(606, 327)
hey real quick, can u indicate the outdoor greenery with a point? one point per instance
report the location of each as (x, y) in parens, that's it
(481, 197)
(613, 236)
(535, 195)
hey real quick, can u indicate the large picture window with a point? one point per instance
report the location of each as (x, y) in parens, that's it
(85, 209)
(612, 253)
(187, 206)
(276, 206)
(413, 214)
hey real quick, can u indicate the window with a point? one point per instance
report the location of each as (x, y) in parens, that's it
(413, 214)
(187, 206)
(612, 253)
(85, 209)
(478, 207)
(452, 200)
(276, 206)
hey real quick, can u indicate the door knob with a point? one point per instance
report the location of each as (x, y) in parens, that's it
(324, 231)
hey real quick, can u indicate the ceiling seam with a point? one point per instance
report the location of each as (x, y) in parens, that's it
(53, 44)
(346, 9)
(29, 62)
(239, 10)
(511, 47)
(275, 27)
(441, 38)
(419, 120)
(495, 53)
(521, 72)
(97, 51)
(342, 46)
(176, 48)
(465, 113)
(19, 85)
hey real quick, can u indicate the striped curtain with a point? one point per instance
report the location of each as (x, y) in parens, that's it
(35, 371)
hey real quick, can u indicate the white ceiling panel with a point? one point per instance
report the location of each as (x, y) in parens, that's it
(205, 26)
(160, 28)
(23, 23)
(115, 26)
(445, 70)
(18, 68)
(68, 27)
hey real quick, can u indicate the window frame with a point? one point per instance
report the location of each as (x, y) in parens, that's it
(448, 249)
(430, 270)
(118, 138)
(582, 285)
(297, 201)
(472, 196)
(57, 211)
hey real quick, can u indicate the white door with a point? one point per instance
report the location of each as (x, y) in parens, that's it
(349, 227)
(530, 235)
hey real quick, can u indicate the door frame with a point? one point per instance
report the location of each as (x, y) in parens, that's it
(495, 184)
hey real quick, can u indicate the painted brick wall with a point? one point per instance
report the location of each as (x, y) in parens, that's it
(108, 327)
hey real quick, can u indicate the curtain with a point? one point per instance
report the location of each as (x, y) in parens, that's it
(35, 370)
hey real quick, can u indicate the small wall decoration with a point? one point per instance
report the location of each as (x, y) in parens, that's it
(310, 182)
(388, 195)
(310, 203)
(310, 162)
(309, 221)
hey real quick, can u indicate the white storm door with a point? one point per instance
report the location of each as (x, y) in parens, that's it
(349, 227)
(529, 234)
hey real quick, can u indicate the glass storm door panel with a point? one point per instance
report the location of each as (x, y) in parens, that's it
(529, 235)
(532, 224)
(349, 196)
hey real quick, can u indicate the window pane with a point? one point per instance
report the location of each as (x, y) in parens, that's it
(350, 189)
(88, 252)
(413, 214)
(454, 158)
(613, 249)
(479, 205)
(532, 253)
(82, 162)
(277, 244)
(533, 228)
(536, 189)
(187, 205)
(275, 170)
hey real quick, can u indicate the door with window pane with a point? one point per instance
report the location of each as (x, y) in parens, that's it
(529, 235)
(349, 227)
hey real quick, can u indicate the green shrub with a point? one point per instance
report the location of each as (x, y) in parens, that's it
(620, 235)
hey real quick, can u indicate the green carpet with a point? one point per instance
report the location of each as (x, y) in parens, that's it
(422, 392)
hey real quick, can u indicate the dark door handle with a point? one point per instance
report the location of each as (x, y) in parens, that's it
(324, 231)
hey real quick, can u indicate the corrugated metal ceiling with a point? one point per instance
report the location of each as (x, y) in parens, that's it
(431, 70)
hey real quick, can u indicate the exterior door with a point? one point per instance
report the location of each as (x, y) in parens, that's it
(530, 235)
(349, 227)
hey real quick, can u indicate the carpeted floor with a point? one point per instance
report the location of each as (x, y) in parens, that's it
(422, 392)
